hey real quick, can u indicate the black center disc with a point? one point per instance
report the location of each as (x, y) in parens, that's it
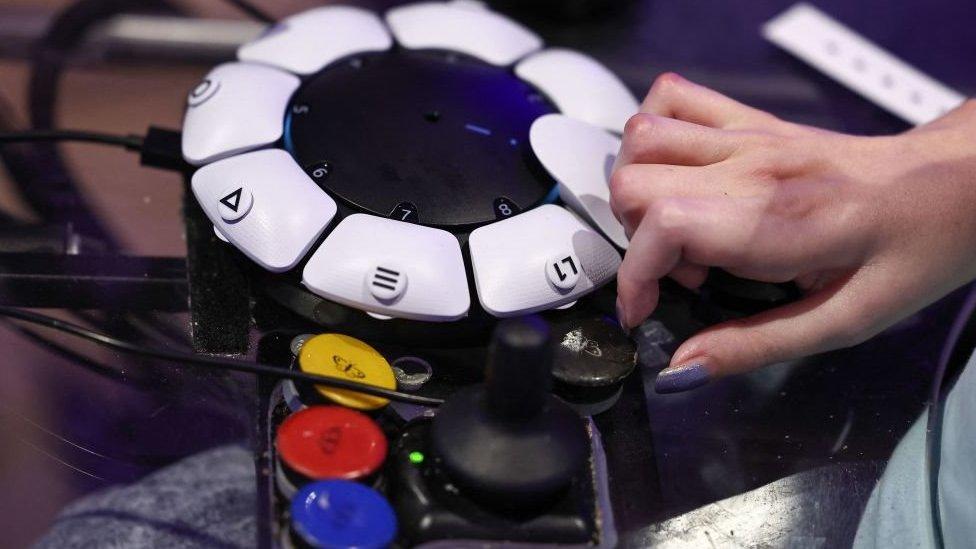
(427, 137)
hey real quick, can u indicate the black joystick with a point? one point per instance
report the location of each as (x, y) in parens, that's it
(509, 443)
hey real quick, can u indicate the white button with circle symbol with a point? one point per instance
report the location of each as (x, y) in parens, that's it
(207, 88)
(386, 282)
(234, 202)
(563, 270)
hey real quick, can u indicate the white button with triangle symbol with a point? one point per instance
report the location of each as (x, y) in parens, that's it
(234, 202)
(265, 205)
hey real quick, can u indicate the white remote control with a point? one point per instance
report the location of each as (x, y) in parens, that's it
(862, 66)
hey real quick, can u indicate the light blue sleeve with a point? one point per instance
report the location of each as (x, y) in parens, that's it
(899, 511)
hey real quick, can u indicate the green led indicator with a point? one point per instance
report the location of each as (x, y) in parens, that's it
(416, 458)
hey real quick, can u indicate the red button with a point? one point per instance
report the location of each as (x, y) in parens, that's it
(323, 442)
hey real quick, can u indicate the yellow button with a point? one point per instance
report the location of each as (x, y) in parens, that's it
(345, 357)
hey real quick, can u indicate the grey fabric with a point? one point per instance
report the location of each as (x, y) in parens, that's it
(957, 476)
(898, 513)
(206, 500)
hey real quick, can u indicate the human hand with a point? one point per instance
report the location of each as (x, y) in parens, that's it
(871, 228)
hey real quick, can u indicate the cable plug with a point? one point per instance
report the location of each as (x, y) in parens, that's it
(161, 148)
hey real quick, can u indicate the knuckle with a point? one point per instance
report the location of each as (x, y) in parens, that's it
(628, 192)
(640, 126)
(623, 182)
(669, 218)
(665, 82)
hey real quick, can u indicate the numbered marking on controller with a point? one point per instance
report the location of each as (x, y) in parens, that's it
(206, 89)
(386, 283)
(319, 171)
(563, 271)
(505, 208)
(405, 211)
(235, 202)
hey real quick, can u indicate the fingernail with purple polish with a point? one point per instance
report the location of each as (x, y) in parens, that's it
(681, 378)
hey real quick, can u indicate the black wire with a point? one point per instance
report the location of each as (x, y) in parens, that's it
(132, 142)
(253, 11)
(223, 363)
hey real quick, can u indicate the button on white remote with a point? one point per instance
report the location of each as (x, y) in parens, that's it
(386, 282)
(579, 156)
(458, 26)
(580, 86)
(310, 41)
(287, 211)
(237, 107)
(563, 270)
(513, 261)
(235, 202)
(392, 268)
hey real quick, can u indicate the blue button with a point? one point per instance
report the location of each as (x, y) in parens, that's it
(336, 514)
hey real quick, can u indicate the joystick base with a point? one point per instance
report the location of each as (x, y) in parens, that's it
(430, 507)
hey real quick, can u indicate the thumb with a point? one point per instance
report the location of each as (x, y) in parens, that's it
(834, 317)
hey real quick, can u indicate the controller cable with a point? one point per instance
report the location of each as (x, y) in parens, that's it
(214, 362)
(160, 148)
(131, 142)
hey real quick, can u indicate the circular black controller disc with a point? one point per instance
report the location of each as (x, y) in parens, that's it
(425, 137)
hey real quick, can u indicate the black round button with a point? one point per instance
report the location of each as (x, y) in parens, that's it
(446, 135)
(591, 351)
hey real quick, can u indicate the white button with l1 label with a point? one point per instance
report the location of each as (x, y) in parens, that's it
(563, 270)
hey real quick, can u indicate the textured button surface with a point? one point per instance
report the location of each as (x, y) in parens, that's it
(338, 514)
(237, 107)
(347, 358)
(511, 259)
(580, 86)
(392, 268)
(580, 156)
(309, 41)
(323, 442)
(289, 211)
(459, 26)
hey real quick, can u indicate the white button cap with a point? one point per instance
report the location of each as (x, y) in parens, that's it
(288, 211)
(563, 270)
(387, 282)
(236, 108)
(390, 267)
(512, 261)
(310, 41)
(579, 156)
(580, 87)
(235, 202)
(460, 27)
